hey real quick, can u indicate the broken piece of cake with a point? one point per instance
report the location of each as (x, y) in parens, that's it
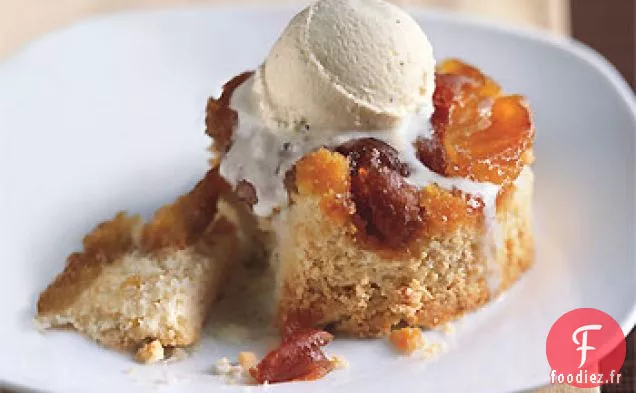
(136, 283)
(391, 192)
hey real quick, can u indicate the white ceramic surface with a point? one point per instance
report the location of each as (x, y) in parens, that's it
(108, 115)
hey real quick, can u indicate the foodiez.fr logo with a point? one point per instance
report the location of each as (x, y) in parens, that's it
(585, 348)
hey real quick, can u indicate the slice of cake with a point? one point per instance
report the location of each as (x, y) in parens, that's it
(389, 192)
(136, 282)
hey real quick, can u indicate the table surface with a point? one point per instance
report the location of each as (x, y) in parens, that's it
(24, 20)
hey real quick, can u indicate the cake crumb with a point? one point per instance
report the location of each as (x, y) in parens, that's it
(175, 354)
(247, 360)
(222, 367)
(149, 353)
(339, 362)
(40, 326)
(432, 350)
(235, 370)
(407, 340)
(448, 328)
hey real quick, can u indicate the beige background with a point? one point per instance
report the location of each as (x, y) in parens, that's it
(24, 20)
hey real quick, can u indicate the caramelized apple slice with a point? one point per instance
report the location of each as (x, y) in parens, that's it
(491, 153)
(483, 85)
(298, 358)
(478, 133)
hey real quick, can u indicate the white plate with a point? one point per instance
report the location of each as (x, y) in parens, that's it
(108, 115)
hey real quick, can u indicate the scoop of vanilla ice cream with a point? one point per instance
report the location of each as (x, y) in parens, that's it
(347, 65)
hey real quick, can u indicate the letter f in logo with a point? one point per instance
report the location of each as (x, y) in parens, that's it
(584, 347)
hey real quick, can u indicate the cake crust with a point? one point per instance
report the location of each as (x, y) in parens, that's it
(136, 282)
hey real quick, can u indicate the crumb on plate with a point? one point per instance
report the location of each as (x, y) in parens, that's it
(339, 362)
(407, 340)
(432, 350)
(222, 366)
(247, 360)
(151, 352)
(175, 354)
(448, 328)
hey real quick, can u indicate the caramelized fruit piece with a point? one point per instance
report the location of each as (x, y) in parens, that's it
(478, 133)
(493, 153)
(298, 358)
(387, 207)
(297, 320)
(367, 152)
(484, 85)
(220, 119)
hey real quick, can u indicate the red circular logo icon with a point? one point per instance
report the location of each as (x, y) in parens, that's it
(585, 348)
